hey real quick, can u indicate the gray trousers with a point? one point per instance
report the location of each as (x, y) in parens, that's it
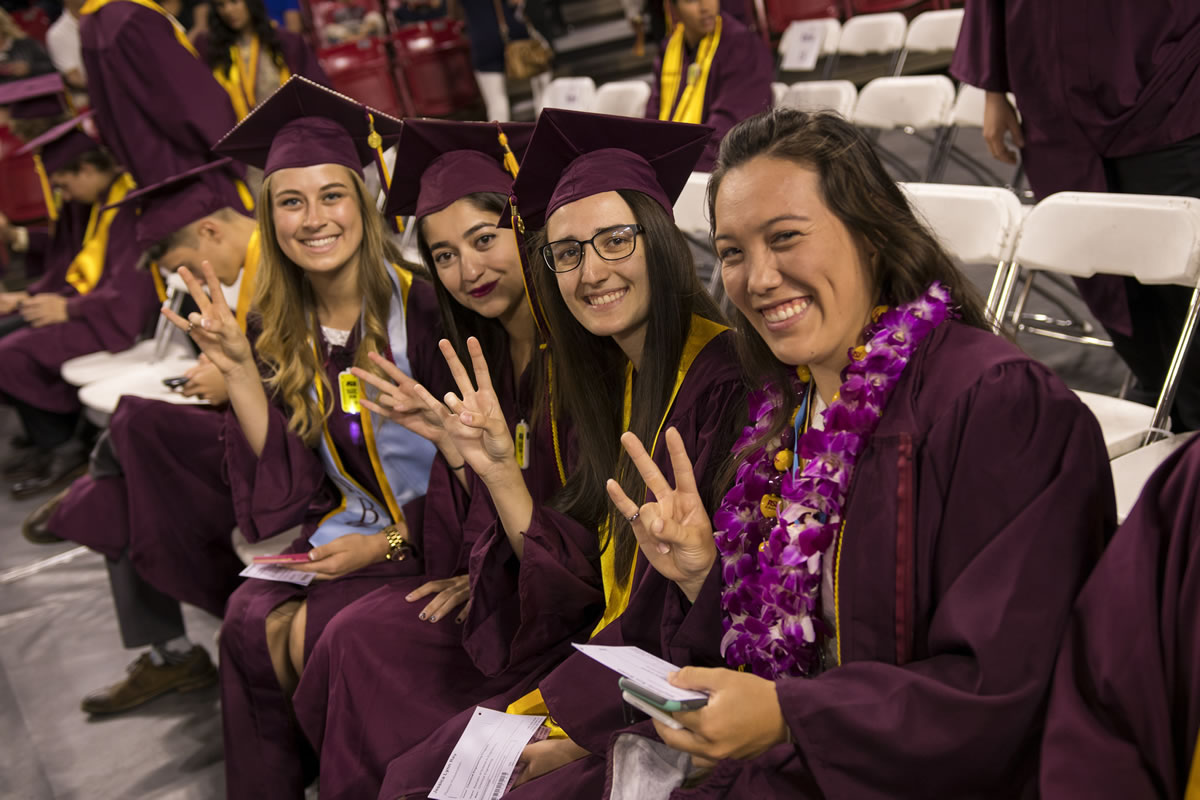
(145, 615)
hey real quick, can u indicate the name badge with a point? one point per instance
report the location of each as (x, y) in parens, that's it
(350, 391)
(521, 444)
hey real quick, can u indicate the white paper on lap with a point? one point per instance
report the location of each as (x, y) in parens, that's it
(274, 572)
(486, 754)
(646, 670)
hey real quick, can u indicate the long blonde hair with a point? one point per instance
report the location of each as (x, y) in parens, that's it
(284, 299)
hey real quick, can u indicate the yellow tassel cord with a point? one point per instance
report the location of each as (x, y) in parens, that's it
(691, 104)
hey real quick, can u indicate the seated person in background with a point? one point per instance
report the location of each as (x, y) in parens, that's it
(62, 43)
(1124, 713)
(103, 303)
(155, 503)
(713, 70)
(351, 22)
(249, 57)
(20, 56)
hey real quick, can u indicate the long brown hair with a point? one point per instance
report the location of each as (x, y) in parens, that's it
(284, 300)
(590, 375)
(860, 193)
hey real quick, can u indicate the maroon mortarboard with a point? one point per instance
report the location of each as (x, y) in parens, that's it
(304, 124)
(439, 161)
(62, 145)
(574, 154)
(171, 204)
(41, 96)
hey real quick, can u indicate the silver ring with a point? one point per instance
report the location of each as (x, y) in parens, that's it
(633, 519)
(190, 327)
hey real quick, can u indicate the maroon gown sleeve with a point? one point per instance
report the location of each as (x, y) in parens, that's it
(744, 71)
(300, 58)
(981, 55)
(123, 303)
(1125, 706)
(1013, 497)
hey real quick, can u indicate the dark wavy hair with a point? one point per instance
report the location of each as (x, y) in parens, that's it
(858, 190)
(590, 374)
(221, 37)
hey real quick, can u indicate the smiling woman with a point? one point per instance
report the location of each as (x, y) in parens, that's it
(301, 445)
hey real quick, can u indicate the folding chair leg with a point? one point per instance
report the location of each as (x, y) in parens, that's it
(1166, 399)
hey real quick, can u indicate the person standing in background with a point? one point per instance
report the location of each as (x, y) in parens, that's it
(62, 43)
(20, 56)
(1109, 94)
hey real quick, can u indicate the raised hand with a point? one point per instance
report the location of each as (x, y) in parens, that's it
(213, 328)
(475, 422)
(404, 401)
(675, 532)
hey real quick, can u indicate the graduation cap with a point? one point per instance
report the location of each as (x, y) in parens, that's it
(574, 154)
(56, 149)
(172, 204)
(304, 124)
(36, 97)
(438, 162)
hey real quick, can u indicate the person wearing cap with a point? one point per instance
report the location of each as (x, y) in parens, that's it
(158, 107)
(250, 57)
(97, 300)
(300, 449)
(1124, 711)
(916, 505)
(637, 345)
(712, 70)
(164, 544)
(453, 176)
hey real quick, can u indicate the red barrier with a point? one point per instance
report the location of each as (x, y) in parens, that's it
(361, 70)
(433, 62)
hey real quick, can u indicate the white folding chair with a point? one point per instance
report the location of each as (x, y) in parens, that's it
(1154, 239)
(976, 225)
(100, 398)
(839, 96)
(168, 342)
(872, 34)
(575, 94)
(967, 112)
(691, 209)
(910, 103)
(1132, 470)
(931, 32)
(806, 42)
(778, 90)
(622, 98)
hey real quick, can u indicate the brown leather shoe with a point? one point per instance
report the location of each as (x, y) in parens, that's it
(34, 527)
(147, 680)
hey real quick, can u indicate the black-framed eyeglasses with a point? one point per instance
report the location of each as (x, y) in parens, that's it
(611, 244)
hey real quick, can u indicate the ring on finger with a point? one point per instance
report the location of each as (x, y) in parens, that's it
(633, 519)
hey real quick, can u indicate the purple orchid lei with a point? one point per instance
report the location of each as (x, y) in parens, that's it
(775, 524)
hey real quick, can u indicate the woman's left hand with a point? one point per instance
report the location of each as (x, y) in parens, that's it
(743, 717)
(450, 594)
(547, 756)
(344, 555)
(44, 309)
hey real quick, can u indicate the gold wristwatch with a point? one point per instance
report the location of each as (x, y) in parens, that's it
(397, 544)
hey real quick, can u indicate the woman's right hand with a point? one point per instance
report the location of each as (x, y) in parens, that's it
(999, 118)
(213, 328)
(475, 422)
(674, 532)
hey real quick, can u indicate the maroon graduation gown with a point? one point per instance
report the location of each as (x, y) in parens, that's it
(283, 487)
(1093, 80)
(109, 317)
(158, 107)
(739, 83)
(1125, 707)
(170, 508)
(373, 654)
(560, 552)
(51, 250)
(974, 515)
(299, 57)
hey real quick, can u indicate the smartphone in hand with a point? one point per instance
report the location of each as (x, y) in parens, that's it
(175, 383)
(659, 701)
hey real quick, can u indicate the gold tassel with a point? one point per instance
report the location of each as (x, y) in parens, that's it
(510, 160)
(47, 191)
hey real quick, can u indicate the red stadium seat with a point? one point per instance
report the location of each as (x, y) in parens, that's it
(362, 70)
(433, 62)
(34, 22)
(910, 7)
(21, 197)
